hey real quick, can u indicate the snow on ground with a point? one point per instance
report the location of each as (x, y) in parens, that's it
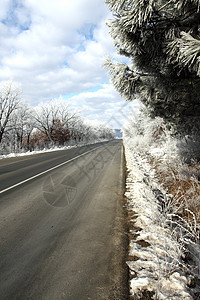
(154, 252)
(35, 152)
(49, 149)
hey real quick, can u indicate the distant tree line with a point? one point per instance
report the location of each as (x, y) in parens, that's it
(53, 124)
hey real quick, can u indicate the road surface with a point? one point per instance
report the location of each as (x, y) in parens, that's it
(62, 231)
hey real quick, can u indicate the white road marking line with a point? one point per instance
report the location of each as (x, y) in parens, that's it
(44, 172)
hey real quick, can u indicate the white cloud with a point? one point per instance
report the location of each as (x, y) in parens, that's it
(4, 7)
(104, 104)
(57, 48)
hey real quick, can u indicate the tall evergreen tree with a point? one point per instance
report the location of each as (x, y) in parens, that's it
(162, 39)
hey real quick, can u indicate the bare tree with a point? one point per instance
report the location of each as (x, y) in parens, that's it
(52, 116)
(10, 96)
(44, 119)
(22, 124)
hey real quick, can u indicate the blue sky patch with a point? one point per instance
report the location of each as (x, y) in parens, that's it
(13, 20)
(87, 31)
(79, 93)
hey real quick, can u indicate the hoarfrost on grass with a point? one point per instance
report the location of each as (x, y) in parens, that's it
(157, 266)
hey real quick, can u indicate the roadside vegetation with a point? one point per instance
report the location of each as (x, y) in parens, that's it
(163, 197)
(160, 42)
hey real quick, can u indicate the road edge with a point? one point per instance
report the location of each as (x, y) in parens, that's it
(120, 287)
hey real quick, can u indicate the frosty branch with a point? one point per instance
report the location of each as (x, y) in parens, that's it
(162, 40)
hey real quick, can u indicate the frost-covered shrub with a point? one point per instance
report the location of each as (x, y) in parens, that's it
(163, 196)
(155, 140)
(156, 245)
(150, 136)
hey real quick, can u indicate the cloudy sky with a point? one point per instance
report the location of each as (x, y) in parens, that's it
(55, 49)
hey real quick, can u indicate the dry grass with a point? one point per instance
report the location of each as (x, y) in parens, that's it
(176, 186)
(181, 181)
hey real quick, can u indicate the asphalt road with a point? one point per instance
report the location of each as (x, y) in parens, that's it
(62, 232)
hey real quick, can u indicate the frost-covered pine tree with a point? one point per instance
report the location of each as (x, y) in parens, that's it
(162, 39)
